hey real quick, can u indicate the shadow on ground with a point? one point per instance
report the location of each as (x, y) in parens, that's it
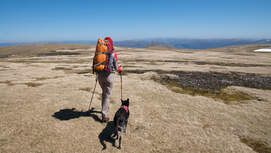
(106, 135)
(67, 114)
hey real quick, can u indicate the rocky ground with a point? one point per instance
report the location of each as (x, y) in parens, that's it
(215, 100)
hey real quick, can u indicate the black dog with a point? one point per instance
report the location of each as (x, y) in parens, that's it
(121, 119)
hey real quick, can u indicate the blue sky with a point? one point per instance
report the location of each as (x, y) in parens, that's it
(56, 20)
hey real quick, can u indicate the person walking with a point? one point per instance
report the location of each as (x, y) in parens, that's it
(106, 77)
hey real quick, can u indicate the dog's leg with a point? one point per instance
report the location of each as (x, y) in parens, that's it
(125, 126)
(120, 139)
(124, 129)
(115, 132)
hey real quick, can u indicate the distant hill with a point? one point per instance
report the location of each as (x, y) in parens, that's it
(154, 44)
(133, 43)
(191, 43)
(142, 44)
(10, 44)
(48, 42)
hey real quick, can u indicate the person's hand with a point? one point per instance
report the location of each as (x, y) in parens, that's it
(120, 69)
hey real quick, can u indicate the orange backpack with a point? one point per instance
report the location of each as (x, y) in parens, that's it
(100, 55)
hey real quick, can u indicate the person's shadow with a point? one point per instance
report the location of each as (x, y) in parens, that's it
(67, 114)
(106, 135)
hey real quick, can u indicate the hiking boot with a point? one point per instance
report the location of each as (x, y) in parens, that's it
(105, 119)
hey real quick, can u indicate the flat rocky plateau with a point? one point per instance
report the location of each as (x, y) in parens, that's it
(207, 101)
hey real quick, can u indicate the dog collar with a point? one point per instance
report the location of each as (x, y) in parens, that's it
(125, 107)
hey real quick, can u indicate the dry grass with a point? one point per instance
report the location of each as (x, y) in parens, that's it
(55, 117)
(3, 66)
(132, 66)
(112, 101)
(64, 61)
(38, 49)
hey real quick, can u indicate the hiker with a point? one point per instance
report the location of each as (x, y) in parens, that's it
(106, 76)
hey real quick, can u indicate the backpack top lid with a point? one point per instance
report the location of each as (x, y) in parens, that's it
(101, 46)
(110, 43)
(100, 41)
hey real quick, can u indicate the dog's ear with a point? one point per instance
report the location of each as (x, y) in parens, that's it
(127, 102)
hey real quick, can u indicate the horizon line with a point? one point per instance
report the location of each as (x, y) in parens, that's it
(136, 39)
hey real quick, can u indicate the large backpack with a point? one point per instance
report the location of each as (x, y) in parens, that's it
(100, 56)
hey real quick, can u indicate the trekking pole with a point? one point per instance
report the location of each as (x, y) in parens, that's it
(121, 85)
(93, 91)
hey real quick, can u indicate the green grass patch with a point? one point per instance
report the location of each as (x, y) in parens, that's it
(33, 84)
(20, 61)
(152, 62)
(8, 82)
(56, 77)
(112, 101)
(42, 78)
(257, 145)
(83, 71)
(226, 96)
(70, 70)
(3, 66)
(139, 128)
(3, 142)
(46, 78)
(85, 89)
(124, 72)
(132, 66)
(54, 53)
(61, 68)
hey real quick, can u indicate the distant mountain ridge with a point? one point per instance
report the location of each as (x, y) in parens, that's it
(142, 44)
(48, 42)
(165, 43)
(192, 43)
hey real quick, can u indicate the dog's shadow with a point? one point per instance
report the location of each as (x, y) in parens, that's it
(67, 114)
(106, 135)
